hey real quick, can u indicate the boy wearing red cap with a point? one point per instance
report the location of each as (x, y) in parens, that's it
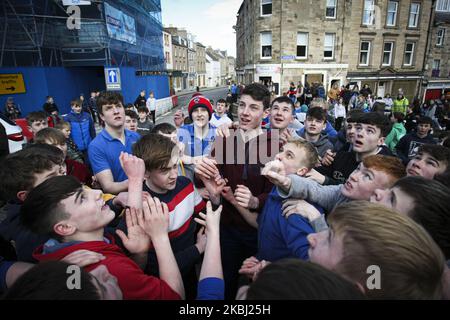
(199, 136)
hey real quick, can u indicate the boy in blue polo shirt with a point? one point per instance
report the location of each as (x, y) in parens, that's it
(279, 237)
(105, 149)
(199, 136)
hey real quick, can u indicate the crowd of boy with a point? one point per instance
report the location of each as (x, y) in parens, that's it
(289, 196)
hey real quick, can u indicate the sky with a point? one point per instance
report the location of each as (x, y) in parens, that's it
(211, 21)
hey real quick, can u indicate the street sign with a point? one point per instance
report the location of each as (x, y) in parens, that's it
(287, 57)
(112, 79)
(12, 83)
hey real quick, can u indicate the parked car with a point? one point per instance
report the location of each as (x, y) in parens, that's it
(16, 139)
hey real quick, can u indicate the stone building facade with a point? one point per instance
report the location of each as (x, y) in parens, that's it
(378, 42)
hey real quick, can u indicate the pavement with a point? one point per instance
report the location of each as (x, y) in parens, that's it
(184, 97)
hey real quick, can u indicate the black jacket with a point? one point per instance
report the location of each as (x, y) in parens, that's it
(343, 165)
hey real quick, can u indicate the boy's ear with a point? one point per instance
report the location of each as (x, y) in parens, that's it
(302, 171)
(64, 229)
(22, 195)
(381, 140)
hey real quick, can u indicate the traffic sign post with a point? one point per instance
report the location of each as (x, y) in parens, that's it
(12, 83)
(112, 79)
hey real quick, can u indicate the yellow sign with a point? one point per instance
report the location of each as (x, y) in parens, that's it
(12, 83)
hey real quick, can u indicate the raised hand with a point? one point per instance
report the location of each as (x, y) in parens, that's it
(83, 258)
(316, 176)
(133, 166)
(137, 241)
(206, 168)
(245, 198)
(228, 195)
(300, 207)
(328, 158)
(210, 220)
(155, 218)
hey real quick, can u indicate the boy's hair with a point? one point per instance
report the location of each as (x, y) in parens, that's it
(284, 100)
(18, 170)
(164, 127)
(187, 120)
(36, 116)
(425, 120)
(318, 102)
(317, 113)
(392, 166)
(311, 154)
(131, 114)
(221, 101)
(142, 109)
(411, 263)
(295, 279)
(258, 92)
(62, 125)
(75, 102)
(440, 153)
(156, 151)
(353, 115)
(51, 135)
(378, 120)
(42, 208)
(399, 116)
(108, 97)
(431, 201)
(48, 281)
(443, 178)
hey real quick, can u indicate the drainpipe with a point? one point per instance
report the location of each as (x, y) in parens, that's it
(427, 46)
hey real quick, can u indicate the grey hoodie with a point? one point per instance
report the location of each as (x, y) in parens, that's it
(322, 145)
(325, 196)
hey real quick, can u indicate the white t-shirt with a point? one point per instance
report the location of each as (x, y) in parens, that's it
(151, 104)
(220, 120)
(339, 111)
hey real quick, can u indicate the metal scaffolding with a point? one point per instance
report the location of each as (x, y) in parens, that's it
(35, 33)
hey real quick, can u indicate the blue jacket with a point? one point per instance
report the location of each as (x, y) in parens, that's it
(279, 237)
(82, 131)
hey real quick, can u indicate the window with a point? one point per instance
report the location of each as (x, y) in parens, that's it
(328, 52)
(331, 9)
(391, 20)
(266, 7)
(443, 6)
(436, 66)
(409, 53)
(440, 37)
(369, 12)
(414, 15)
(266, 45)
(364, 53)
(302, 45)
(387, 53)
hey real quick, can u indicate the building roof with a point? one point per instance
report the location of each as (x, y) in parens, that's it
(211, 56)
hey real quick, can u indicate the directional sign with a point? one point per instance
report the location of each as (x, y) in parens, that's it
(12, 83)
(112, 79)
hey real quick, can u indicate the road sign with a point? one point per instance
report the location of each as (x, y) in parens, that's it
(112, 79)
(12, 83)
(287, 57)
